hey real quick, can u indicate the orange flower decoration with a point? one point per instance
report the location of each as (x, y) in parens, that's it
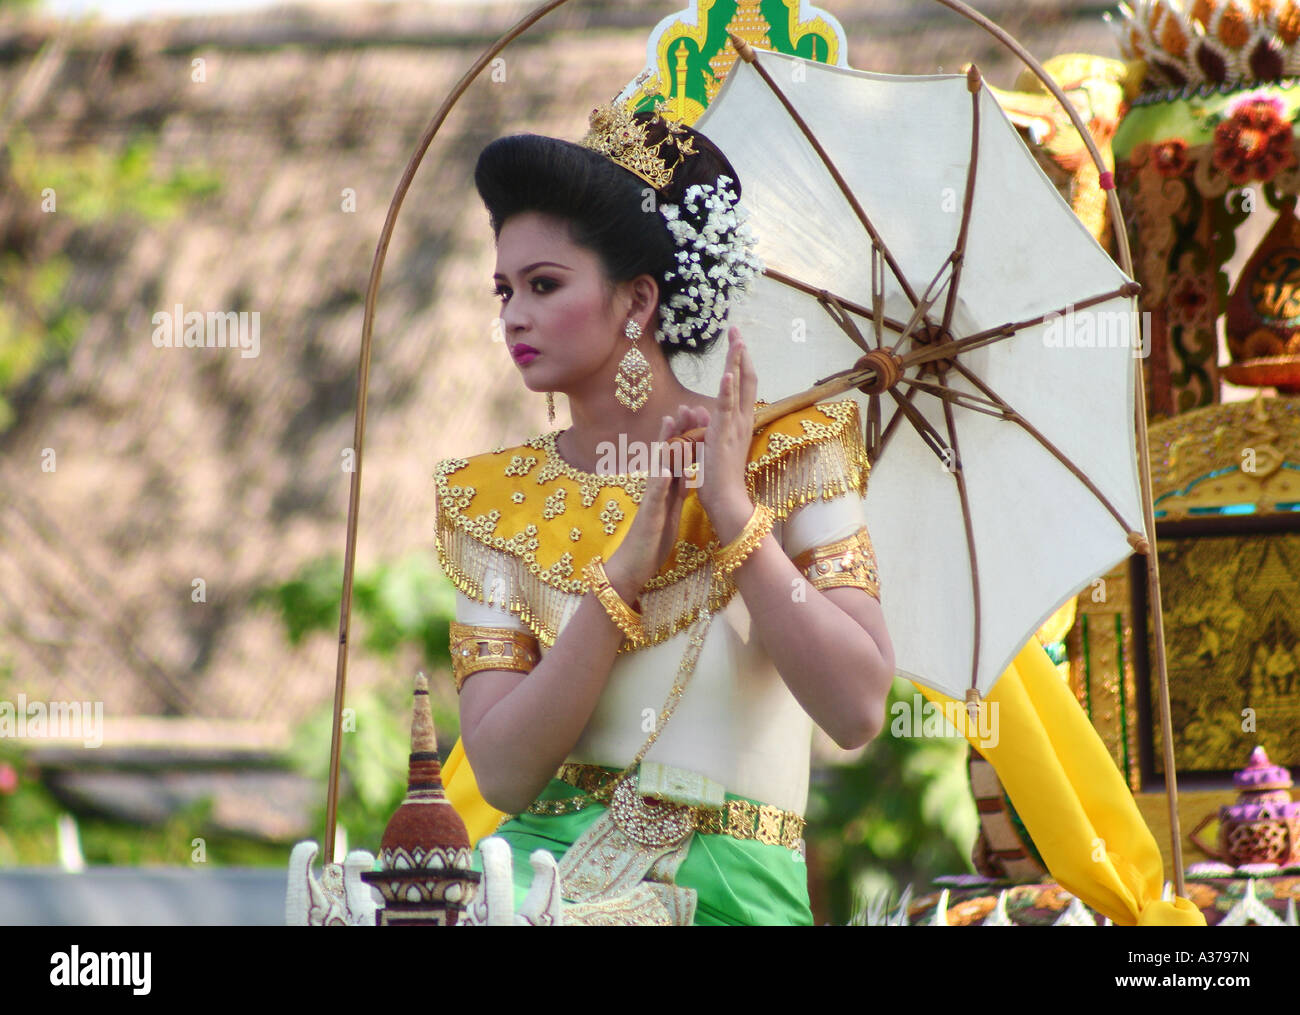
(1201, 896)
(971, 911)
(1189, 300)
(1254, 142)
(1053, 897)
(1169, 158)
(1286, 888)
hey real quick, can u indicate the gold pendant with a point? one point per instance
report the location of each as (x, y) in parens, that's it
(656, 824)
(634, 381)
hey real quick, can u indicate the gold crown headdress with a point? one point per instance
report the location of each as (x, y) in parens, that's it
(616, 135)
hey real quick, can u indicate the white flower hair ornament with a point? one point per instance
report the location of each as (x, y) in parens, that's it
(712, 224)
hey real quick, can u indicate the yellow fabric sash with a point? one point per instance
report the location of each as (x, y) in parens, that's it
(480, 817)
(1070, 795)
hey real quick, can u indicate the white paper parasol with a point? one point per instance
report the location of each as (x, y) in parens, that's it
(1049, 536)
(1005, 481)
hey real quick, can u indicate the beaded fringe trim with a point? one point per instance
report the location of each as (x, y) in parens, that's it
(795, 471)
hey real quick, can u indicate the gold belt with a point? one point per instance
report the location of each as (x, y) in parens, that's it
(739, 819)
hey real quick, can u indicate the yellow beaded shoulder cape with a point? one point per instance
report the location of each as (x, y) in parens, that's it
(517, 525)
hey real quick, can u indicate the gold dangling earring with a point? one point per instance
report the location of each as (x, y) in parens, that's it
(634, 382)
(550, 406)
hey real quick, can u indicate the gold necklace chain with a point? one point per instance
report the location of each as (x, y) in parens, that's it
(571, 805)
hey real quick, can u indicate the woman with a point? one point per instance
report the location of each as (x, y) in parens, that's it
(615, 694)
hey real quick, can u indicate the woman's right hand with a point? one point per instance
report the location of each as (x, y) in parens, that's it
(653, 533)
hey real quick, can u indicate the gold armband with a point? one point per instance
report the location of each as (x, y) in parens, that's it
(849, 562)
(475, 648)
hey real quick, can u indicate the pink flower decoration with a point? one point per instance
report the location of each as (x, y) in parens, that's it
(1257, 98)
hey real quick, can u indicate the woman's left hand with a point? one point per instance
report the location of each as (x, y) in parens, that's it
(723, 453)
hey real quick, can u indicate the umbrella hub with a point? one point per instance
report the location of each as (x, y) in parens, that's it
(886, 366)
(928, 336)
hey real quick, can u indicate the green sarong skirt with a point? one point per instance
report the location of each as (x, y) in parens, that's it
(739, 881)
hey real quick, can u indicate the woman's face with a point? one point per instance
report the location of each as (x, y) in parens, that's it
(556, 300)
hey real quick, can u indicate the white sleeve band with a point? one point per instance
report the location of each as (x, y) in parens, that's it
(823, 521)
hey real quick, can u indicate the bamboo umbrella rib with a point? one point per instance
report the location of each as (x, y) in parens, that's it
(776, 275)
(894, 421)
(873, 427)
(963, 494)
(928, 299)
(877, 297)
(991, 335)
(841, 317)
(747, 54)
(924, 430)
(968, 200)
(1047, 445)
(963, 398)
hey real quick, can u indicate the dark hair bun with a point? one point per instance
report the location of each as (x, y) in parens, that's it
(703, 168)
(607, 207)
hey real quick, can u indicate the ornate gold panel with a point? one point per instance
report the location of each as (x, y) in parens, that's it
(1102, 675)
(1224, 480)
(1232, 635)
(1227, 455)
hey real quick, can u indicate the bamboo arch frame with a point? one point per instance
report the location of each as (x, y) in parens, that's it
(879, 371)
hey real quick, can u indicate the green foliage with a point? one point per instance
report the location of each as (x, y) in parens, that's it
(38, 323)
(901, 815)
(95, 185)
(373, 762)
(407, 602)
(29, 837)
(309, 601)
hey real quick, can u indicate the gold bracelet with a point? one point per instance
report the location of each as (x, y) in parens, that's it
(738, 550)
(627, 619)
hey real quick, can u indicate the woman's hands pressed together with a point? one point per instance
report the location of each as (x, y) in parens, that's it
(653, 533)
(724, 451)
(722, 456)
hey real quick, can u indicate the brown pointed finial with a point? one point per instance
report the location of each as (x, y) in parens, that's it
(743, 48)
(424, 739)
(425, 852)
